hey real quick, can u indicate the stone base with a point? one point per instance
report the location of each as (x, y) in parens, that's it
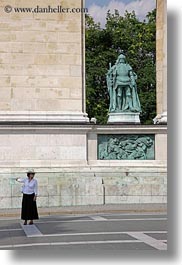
(124, 118)
(161, 118)
(43, 116)
(65, 158)
(59, 187)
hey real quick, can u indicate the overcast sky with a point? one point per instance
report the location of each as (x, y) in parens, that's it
(99, 8)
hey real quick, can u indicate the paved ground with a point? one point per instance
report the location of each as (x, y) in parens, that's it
(111, 231)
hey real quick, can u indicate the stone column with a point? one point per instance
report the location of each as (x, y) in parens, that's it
(42, 64)
(161, 58)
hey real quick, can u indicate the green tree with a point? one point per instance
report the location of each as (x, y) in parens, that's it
(137, 39)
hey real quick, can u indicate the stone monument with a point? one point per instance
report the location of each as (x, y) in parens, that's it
(44, 125)
(124, 101)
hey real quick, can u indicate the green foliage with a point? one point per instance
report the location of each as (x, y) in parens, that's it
(103, 45)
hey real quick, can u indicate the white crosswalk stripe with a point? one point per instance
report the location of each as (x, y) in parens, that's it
(157, 244)
(31, 231)
(98, 218)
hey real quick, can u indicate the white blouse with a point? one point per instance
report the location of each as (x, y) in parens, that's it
(29, 187)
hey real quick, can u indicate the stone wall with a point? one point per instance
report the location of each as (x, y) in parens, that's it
(37, 148)
(89, 186)
(69, 172)
(70, 145)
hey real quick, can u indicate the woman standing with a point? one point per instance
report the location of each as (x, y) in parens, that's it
(29, 190)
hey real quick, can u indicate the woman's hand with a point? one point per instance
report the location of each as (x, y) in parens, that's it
(35, 198)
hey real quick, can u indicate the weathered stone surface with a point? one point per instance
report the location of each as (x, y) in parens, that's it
(54, 201)
(79, 186)
(81, 200)
(16, 190)
(5, 187)
(16, 202)
(128, 190)
(5, 203)
(43, 202)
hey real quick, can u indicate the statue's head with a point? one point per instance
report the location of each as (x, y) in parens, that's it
(121, 58)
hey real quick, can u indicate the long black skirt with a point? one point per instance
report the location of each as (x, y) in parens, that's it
(29, 208)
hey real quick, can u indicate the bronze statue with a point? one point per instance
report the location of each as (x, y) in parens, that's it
(122, 88)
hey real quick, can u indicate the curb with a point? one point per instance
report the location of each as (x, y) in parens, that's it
(91, 210)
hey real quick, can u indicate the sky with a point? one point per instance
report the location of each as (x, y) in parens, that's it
(99, 8)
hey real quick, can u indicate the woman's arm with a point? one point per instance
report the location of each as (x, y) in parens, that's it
(20, 180)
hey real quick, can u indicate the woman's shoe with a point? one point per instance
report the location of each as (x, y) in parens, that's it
(25, 223)
(31, 223)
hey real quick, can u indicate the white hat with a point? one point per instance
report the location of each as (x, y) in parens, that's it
(30, 171)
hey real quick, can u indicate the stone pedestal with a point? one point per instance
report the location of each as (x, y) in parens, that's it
(124, 118)
(161, 118)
